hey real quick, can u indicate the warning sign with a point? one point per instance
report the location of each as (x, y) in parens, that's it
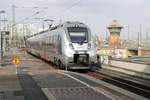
(16, 61)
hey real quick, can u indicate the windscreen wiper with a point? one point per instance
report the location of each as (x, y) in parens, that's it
(83, 41)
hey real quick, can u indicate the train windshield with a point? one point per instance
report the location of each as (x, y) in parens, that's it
(78, 34)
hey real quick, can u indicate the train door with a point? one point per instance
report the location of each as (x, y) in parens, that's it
(46, 48)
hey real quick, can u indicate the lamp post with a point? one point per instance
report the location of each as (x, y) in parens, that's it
(4, 20)
(1, 12)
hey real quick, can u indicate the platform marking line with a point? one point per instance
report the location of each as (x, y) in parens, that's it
(88, 86)
(48, 94)
(30, 73)
(24, 70)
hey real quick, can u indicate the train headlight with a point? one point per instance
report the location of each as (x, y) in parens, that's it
(89, 45)
(71, 46)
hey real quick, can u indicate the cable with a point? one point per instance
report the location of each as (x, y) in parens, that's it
(27, 18)
(73, 5)
(36, 7)
(68, 8)
(60, 12)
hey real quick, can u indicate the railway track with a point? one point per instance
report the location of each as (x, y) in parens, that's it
(127, 77)
(132, 86)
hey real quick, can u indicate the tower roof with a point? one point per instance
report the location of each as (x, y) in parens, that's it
(114, 24)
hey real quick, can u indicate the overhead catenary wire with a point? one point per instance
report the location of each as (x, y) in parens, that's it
(29, 17)
(38, 12)
(36, 7)
(67, 8)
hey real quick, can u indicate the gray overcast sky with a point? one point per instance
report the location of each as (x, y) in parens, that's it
(95, 13)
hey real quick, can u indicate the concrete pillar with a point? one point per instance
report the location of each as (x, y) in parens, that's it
(139, 51)
(127, 52)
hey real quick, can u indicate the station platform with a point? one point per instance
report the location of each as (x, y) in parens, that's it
(66, 85)
(139, 67)
(35, 79)
(63, 86)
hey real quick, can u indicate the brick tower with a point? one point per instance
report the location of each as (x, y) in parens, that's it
(114, 39)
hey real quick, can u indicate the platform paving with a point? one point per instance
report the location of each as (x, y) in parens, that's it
(10, 88)
(34, 79)
(61, 87)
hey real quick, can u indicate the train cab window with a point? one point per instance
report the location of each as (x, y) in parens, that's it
(78, 34)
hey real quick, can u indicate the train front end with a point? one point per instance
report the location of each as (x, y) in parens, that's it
(80, 48)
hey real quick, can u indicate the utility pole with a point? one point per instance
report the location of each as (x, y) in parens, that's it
(128, 33)
(1, 46)
(140, 36)
(106, 36)
(1, 12)
(23, 41)
(0, 22)
(138, 39)
(147, 30)
(43, 26)
(14, 37)
(23, 30)
(4, 22)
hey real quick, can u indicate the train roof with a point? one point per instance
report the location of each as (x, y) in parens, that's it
(65, 24)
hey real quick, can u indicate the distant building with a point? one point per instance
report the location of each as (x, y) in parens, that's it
(21, 31)
(26, 29)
